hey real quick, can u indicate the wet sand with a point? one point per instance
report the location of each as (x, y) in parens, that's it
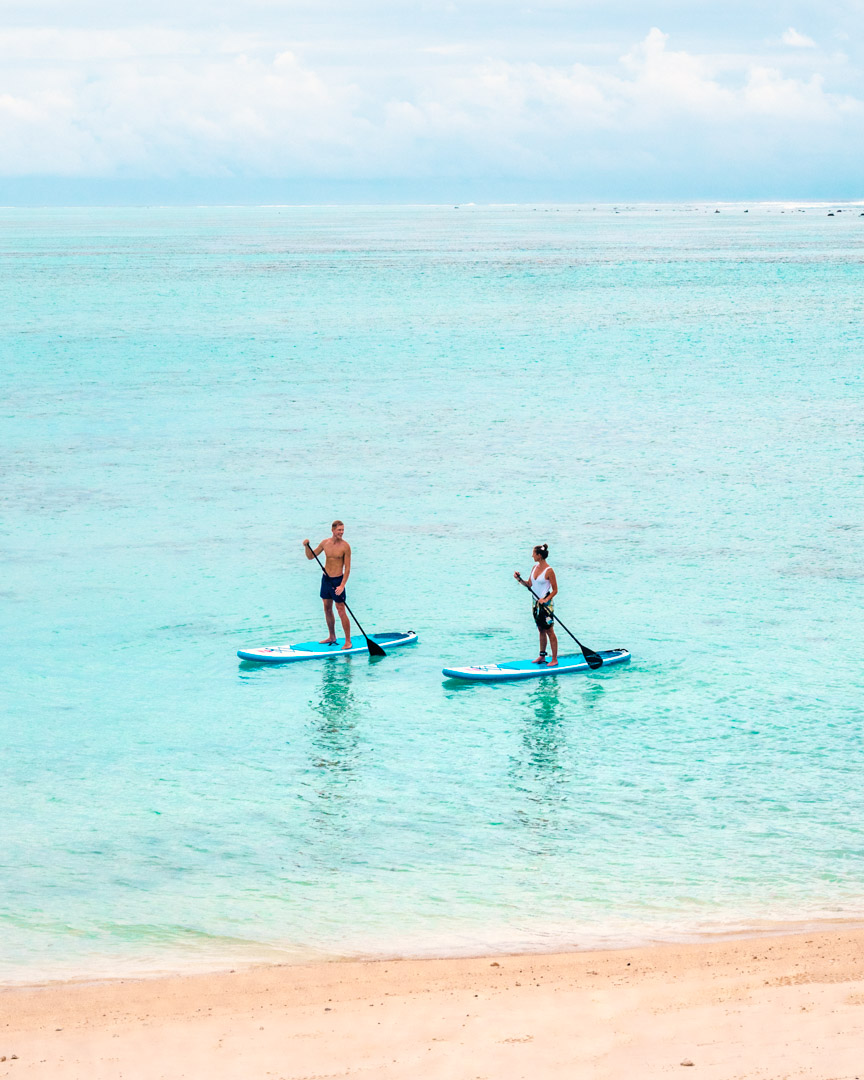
(760, 1008)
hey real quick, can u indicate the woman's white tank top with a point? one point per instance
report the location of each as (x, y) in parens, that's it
(539, 585)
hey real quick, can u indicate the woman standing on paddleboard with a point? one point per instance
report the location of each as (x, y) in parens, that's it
(544, 588)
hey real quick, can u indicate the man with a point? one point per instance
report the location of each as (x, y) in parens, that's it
(337, 567)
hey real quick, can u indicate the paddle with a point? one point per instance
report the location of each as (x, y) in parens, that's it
(593, 659)
(373, 646)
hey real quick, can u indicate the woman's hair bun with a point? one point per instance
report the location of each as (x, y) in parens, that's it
(543, 549)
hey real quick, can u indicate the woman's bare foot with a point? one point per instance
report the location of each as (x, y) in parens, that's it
(347, 645)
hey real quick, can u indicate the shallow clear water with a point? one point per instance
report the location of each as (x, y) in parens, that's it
(671, 399)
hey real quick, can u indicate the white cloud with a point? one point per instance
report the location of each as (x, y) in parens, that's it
(142, 108)
(798, 41)
(163, 103)
(651, 92)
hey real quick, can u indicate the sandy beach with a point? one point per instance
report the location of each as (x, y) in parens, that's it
(759, 1008)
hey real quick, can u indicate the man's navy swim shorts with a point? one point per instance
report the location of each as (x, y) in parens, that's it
(328, 589)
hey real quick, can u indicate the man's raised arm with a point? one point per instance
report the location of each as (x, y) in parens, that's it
(310, 554)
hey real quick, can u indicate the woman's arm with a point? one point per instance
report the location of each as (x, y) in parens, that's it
(553, 581)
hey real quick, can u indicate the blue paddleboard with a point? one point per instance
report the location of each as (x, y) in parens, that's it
(509, 670)
(314, 650)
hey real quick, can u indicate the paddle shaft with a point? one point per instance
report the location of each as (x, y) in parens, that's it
(594, 660)
(373, 646)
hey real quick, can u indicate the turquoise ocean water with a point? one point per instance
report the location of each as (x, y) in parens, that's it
(671, 398)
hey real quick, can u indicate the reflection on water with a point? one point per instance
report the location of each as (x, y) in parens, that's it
(334, 731)
(542, 769)
(545, 700)
(455, 686)
(336, 697)
(542, 733)
(593, 695)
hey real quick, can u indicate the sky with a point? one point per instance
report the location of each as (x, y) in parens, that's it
(583, 98)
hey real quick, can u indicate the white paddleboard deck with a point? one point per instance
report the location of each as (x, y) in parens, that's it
(510, 670)
(314, 650)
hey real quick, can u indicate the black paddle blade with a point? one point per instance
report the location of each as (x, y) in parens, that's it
(376, 650)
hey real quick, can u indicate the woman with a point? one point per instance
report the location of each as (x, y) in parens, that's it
(544, 588)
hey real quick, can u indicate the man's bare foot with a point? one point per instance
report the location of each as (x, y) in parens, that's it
(347, 645)
(552, 663)
(539, 660)
(328, 641)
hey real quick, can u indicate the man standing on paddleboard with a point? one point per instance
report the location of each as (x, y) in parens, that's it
(337, 567)
(544, 588)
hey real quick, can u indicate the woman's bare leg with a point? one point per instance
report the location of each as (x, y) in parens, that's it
(553, 641)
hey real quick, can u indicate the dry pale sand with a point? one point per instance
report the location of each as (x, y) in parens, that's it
(760, 1009)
